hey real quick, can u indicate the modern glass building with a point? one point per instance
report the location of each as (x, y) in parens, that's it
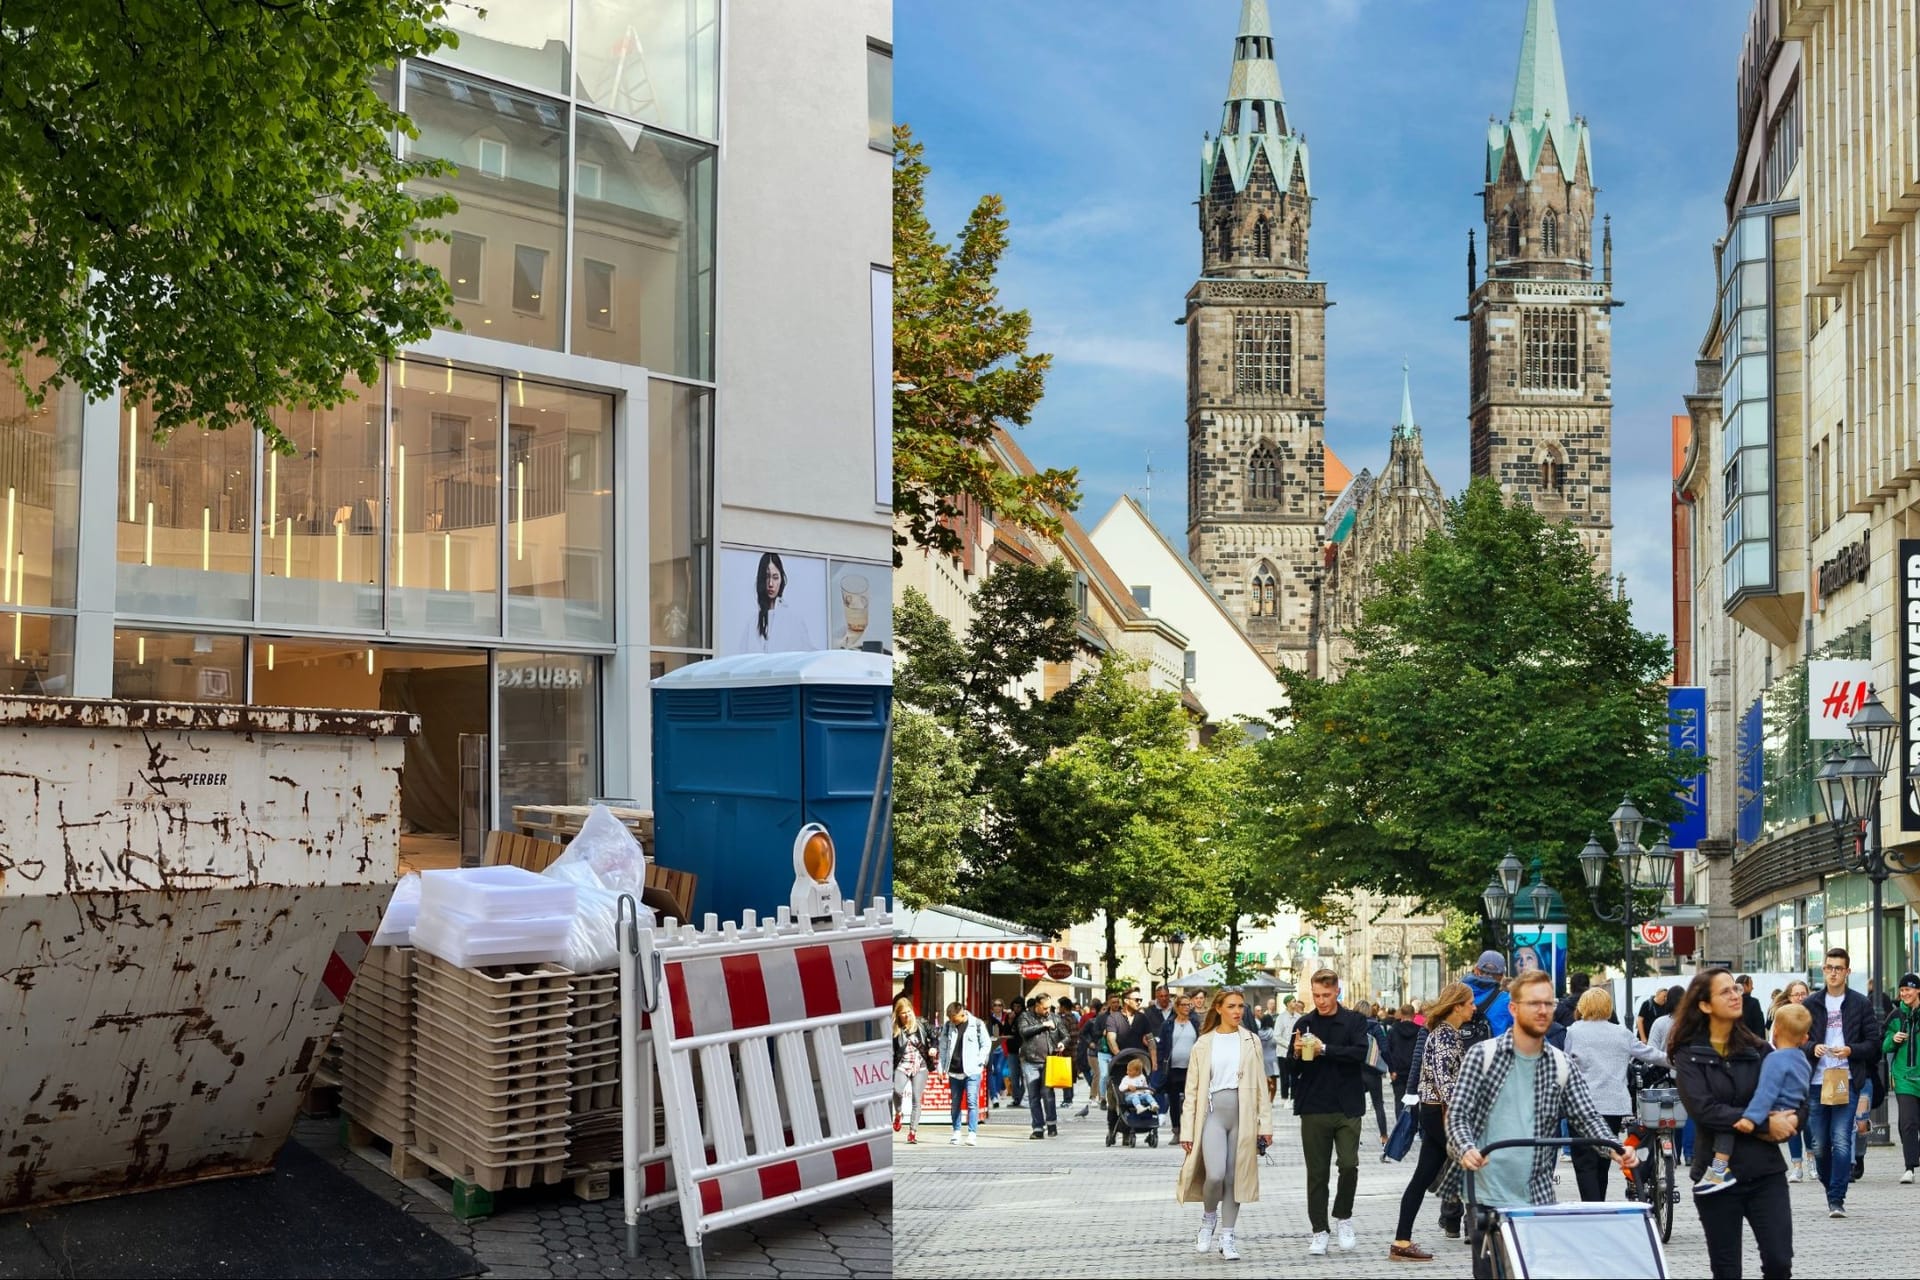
(514, 527)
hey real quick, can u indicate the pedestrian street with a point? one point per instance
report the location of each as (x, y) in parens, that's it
(1070, 1206)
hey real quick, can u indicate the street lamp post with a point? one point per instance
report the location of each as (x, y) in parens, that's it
(1641, 869)
(1849, 784)
(1170, 948)
(1498, 898)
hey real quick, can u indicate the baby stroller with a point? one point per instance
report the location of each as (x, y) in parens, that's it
(1122, 1121)
(1589, 1238)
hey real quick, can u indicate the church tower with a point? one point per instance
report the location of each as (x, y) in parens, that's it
(1541, 347)
(1256, 368)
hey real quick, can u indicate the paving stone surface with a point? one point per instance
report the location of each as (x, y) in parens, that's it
(546, 1232)
(953, 1205)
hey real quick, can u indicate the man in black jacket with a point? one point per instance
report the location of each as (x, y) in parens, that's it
(1402, 1036)
(1327, 1055)
(1751, 1013)
(1844, 1036)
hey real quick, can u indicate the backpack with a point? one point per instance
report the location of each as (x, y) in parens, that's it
(1478, 1028)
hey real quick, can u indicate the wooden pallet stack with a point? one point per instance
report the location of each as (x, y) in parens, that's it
(491, 1082)
(593, 1121)
(377, 1046)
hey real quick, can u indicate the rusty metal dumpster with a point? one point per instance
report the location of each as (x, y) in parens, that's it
(174, 881)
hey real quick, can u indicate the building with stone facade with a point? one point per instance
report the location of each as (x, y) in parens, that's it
(1540, 344)
(1800, 479)
(1377, 518)
(1256, 364)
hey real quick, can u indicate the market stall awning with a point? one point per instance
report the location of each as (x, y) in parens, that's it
(955, 933)
(979, 951)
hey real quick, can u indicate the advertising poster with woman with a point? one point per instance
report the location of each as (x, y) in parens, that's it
(1542, 947)
(772, 602)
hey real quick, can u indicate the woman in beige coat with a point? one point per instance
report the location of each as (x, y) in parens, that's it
(1227, 1109)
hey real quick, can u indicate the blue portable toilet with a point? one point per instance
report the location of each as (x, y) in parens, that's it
(749, 749)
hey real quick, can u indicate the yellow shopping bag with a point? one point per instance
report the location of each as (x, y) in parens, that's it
(1059, 1072)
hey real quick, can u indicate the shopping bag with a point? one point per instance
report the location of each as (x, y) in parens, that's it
(1375, 1062)
(1059, 1071)
(1834, 1087)
(1401, 1140)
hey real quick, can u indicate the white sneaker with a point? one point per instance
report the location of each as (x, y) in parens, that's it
(1798, 1174)
(1319, 1246)
(1343, 1232)
(970, 1140)
(1227, 1250)
(1205, 1239)
(1906, 1179)
(954, 1141)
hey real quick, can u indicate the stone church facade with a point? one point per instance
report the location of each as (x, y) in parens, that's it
(1256, 365)
(1540, 325)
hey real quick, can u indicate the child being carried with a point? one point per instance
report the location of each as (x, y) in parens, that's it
(1784, 1079)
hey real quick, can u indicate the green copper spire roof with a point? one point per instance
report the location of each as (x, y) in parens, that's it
(1540, 107)
(1406, 426)
(1254, 118)
(1540, 90)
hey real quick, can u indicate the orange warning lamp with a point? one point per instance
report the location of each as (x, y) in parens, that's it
(815, 892)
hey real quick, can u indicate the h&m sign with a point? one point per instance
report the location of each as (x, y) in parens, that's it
(1836, 688)
(1849, 564)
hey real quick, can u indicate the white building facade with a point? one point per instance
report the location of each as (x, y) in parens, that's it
(519, 523)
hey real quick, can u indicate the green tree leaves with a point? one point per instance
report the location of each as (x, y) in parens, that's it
(1499, 693)
(199, 200)
(961, 370)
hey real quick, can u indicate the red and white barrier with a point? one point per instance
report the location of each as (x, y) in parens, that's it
(748, 1026)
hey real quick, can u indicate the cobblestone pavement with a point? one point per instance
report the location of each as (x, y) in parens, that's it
(955, 1210)
(547, 1232)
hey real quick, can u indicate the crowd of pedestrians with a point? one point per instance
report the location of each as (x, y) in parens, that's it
(1489, 1058)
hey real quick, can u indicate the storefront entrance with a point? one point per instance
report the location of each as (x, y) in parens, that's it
(447, 689)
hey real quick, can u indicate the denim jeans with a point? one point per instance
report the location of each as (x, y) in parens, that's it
(1034, 1076)
(996, 1069)
(966, 1093)
(1100, 1075)
(1830, 1138)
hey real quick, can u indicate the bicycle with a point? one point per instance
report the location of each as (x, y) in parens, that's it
(1654, 1129)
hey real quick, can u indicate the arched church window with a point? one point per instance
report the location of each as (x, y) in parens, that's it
(1297, 246)
(1263, 597)
(1553, 471)
(1549, 234)
(1224, 239)
(1262, 239)
(1263, 474)
(1513, 235)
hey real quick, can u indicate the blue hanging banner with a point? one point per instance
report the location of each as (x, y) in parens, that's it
(1687, 731)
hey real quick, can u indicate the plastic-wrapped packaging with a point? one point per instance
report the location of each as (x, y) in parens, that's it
(602, 862)
(396, 926)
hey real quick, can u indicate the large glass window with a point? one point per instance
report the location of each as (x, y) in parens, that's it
(680, 509)
(40, 489)
(559, 513)
(658, 62)
(178, 666)
(549, 729)
(643, 249)
(521, 40)
(511, 151)
(1263, 353)
(445, 542)
(36, 654)
(880, 101)
(321, 516)
(186, 520)
(1746, 408)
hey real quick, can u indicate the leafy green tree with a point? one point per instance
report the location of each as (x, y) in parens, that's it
(935, 808)
(203, 203)
(961, 370)
(1499, 694)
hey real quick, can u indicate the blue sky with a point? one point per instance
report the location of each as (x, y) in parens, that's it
(1088, 118)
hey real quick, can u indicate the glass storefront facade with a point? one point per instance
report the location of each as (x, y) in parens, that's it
(1794, 935)
(472, 539)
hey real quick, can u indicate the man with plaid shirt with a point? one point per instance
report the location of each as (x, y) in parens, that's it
(1519, 1086)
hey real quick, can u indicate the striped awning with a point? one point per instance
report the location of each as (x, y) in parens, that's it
(980, 951)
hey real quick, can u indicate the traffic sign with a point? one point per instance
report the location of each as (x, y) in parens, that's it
(1653, 933)
(1033, 970)
(1060, 970)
